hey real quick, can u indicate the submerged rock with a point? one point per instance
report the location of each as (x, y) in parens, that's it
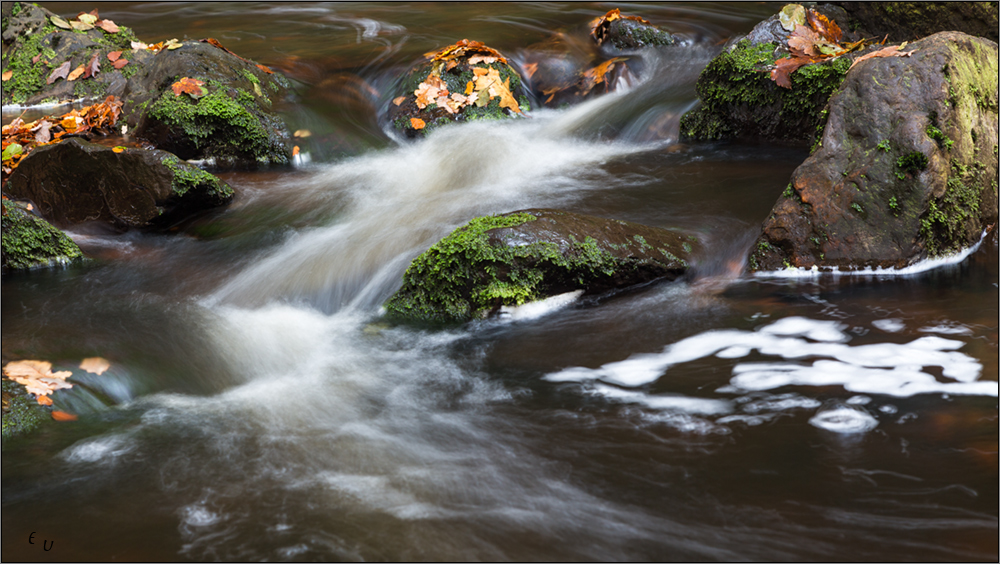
(31, 242)
(76, 181)
(232, 122)
(907, 167)
(20, 413)
(614, 31)
(462, 82)
(529, 255)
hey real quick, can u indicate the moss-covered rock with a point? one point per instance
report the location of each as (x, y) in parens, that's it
(76, 181)
(233, 124)
(739, 101)
(907, 168)
(33, 47)
(31, 242)
(906, 21)
(529, 255)
(21, 414)
(436, 92)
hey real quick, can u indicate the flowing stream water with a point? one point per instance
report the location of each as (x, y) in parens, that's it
(257, 407)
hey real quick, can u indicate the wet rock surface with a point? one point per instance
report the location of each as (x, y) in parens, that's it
(907, 168)
(76, 181)
(906, 21)
(234, 123)
(532, 254)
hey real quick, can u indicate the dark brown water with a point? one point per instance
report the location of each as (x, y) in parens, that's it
(256, 409)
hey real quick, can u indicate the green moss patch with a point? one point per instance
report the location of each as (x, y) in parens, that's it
(31, 242)
(187, 177)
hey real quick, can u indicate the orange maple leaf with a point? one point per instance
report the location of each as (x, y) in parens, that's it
(417, 123)
(63, 416)
(190, 86)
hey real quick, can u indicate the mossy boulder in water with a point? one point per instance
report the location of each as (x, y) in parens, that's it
(31, 242)
(21, 414)
(34, 47)
(528, 255)
(76, 181)
(462, 82)
(907, 168)
(231, 122)
(739, 101)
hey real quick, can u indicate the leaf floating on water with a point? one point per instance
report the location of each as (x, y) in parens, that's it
(417, 123)
(96, 364)
(63, 416)
(190, 86)
(895, 51)
(62, 71)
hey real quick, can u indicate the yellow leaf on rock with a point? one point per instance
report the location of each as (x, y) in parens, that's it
(76, 73)
(417, 123)
(97, 365)
(36, 376)
(399, 100)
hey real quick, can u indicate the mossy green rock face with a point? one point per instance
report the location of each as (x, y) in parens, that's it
(31, 242)
(739, 101)
(28, 32)
(76, 181)
(528, 255)
(21, 414)
(907, 168)
(234, 124)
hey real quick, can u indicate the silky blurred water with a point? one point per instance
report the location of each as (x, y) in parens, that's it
(258, 408)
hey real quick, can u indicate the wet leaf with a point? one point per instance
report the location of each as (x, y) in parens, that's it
(89, 19)
(599, 26)
(59, 22)
(476, 59)
(399, 100)
(114, 55)
(81, 25)
(120, 64)
(118, 149)
(895, 51)
(417, 123)
(265, 69)
(76, 73)
(785, 67)
(825, 27)
(7, 75)
(107, 25)
(792, 15)
(36, 376)
(529, 69)
(303, 133)
(62, 71)
(171, 44)
(43, 135)
(190, 86)
(463, 48)
(295, 150)
(139, 45)
(93, 67)
(44, 400)
(96, 364)
(63, 416)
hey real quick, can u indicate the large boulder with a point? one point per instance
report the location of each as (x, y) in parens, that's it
(462, 82)
(906, 21)
(229, 119)
(76, 181)
(529, 255)
(907, 167)
(34, 47)
(31, 242)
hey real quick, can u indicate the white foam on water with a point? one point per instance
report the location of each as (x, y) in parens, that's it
(889, 325)
(915, 268)
(102, 450)
(844, 420)
(947, 329)
(540, 308)
(684, 404)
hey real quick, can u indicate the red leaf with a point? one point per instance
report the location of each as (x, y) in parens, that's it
(784, 67)
(63, 416)
(190, 86)
(120, 63)
(113, 56)
(827, 28)
(93, 67)
(61, 72)
(265, 69)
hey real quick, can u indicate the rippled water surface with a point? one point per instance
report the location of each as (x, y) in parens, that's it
(258, 409)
